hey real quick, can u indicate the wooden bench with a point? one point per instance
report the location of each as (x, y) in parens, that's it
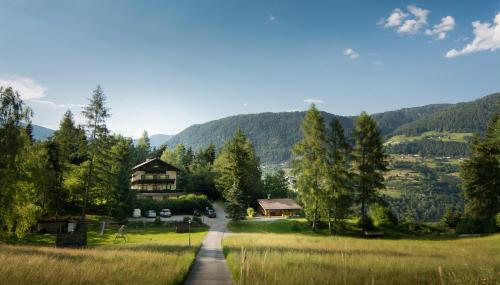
(369, 234)
(122, 233)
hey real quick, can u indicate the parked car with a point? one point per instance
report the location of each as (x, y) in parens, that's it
(165, 213)
(196, 213)
(151, 214)
(211, 213)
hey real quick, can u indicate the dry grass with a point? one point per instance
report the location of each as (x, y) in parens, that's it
(300, 259)
(152, 256)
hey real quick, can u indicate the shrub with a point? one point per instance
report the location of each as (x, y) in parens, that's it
(451, 219)
(181, 205)
(497, 218)
(197, 220)
(474, 225)
(157, 222)
(250, 212)
(382, 216)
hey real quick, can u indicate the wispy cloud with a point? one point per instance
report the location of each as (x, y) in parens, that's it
(271, 17)
(486, 37)
(314, 101)
(245, 104)
(28, 88)
(352, 54)
(416, 23)
(439, 31)
(57, 106)
(379, 62)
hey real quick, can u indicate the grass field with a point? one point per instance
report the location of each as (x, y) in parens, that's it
(151, 256)
(433, 135)
(307, 258)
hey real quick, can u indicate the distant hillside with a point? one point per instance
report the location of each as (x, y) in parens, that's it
(41, 133)
(274, 134)
(391, 120)
(158, 139)
(462, 117)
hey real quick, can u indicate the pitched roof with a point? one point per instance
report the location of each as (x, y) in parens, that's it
(156, 160)
(279, 204)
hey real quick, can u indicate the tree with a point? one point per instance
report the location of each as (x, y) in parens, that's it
(337, 188)
(122, 197)
(17, 198)
(70, 140)
(96, 114)
(370, 161)
(239, 174)
(143, 147)
(276, 185)
(309, 164)
(480, 173)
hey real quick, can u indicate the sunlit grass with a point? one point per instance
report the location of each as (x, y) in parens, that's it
(150, 256)
(308, 259)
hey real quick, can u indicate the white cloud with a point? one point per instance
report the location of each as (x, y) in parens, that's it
(413, 26)
(314, 101)
(378, 63)
(245, 104)
(271, 17)
(27, 87)
(395, 19)
(439, 31)
(57, 106)
(352, 54)
(406, 23)
(486, 37)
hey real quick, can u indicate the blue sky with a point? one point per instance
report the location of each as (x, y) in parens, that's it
(165, 65)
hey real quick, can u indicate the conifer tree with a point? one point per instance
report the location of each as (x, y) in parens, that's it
(481, 177)
(370, 162)
(309, 164)
(143, 147)
(239, 173)
(96, 114)
(338, 186)
(71, 140)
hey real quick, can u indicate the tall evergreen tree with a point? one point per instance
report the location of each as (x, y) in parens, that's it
(370, 162)
(337, 183)
(239, 173)
(143, 147)
(309, 164)
(481, 177)
(96, 114)
(71, 140)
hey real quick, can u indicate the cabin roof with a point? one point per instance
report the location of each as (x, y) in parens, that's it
(279, 204)
(155, 161)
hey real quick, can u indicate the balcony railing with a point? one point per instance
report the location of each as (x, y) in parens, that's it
(159, 191)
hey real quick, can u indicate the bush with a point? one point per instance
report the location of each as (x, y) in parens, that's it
(197, 220)
(451, 219)
(382, 216)
(473, 225)
(250, 212)
(157, 222)
(181, 205)
(369, 223)
(497, 218)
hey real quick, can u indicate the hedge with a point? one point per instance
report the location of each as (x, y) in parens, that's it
(182, 205)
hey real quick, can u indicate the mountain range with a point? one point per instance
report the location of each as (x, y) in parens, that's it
(274, 134)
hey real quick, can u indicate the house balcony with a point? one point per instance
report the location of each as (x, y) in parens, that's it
(158, 191)
(152, 180)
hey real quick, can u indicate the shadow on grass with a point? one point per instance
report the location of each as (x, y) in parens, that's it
(302, 227)
(316, 251)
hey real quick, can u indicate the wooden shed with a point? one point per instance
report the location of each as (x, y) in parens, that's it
(278, 207)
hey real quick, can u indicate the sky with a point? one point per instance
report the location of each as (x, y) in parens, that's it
(165, 65)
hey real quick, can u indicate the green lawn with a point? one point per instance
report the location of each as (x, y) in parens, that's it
(152, 255)
(278, 254)
(434, 135)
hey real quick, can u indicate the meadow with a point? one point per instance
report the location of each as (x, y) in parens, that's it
(152, 255)
(266, 257)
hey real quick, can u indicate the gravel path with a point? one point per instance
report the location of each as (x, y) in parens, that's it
(210, 266)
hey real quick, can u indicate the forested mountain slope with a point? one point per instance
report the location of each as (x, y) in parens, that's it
(462, 117)
(272, 134)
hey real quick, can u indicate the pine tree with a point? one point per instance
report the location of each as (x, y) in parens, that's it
(71, 140)
(309, 164)
(276, 185)
(239, 172)
(370, 162)
(337, 189)
(481, 177)
(96, 114)
(143, 147)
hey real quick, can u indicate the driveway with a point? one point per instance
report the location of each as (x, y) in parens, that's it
(210, 267)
